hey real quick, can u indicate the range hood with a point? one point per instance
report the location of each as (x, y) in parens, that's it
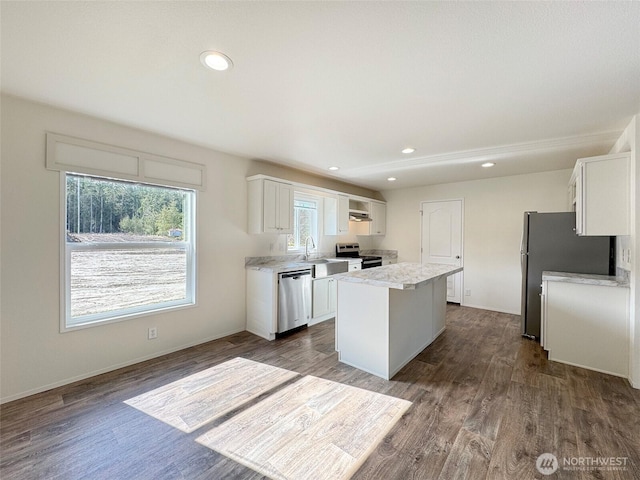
(359, 216)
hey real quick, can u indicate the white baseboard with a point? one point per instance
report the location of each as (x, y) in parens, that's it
(315, 321)
(111, 368)
(491, 308)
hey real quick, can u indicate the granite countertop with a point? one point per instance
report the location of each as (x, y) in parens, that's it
(293, 262)
(283, 264)
(585, 279)
(385, 254)
(401, 276)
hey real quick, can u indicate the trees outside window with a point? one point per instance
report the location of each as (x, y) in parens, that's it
(129, 249)
(305, 222)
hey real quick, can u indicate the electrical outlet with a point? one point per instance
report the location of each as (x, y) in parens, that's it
(153, 333)
(467, 293)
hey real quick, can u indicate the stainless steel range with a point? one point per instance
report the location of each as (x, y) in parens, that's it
(352, 250)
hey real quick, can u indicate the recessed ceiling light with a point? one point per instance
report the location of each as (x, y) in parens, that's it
(391, 179)
(408, 150)
(216, 60)
(334, 168)
(488, 165)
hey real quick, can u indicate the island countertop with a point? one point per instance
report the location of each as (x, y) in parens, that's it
(401, 276)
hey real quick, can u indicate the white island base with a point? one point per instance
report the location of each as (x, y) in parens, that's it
(379, 329)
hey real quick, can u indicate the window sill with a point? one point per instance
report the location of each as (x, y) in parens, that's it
(124, 317)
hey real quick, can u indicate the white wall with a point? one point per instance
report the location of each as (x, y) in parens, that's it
(493, 217)
(34, 356)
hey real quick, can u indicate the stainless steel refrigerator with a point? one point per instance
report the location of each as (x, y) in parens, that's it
(549, 242)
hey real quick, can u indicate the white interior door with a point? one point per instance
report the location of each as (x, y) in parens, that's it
(442, 240)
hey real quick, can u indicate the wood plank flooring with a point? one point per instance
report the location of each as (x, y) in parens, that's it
(312, 428)
(485, 404)
(198, 399)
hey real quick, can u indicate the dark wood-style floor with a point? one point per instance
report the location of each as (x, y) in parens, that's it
(486, 404)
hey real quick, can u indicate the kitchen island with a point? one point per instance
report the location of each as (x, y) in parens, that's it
(387, 315)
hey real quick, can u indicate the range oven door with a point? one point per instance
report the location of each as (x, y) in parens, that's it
(371, 263)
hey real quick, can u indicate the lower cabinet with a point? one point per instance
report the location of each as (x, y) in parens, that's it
(262, 303)
(586, 325)
(325, 291)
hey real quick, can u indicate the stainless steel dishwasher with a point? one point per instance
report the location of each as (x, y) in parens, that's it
(294, 299)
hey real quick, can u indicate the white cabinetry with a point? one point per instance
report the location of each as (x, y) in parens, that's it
(586, 325)
(355, 264)
(381, 329)
(262, 303)
(270, 206)
(336, 215)
(378, 213)
(599, 192)
(325, 291)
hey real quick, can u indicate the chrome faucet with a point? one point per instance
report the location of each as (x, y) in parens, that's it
(306, 247)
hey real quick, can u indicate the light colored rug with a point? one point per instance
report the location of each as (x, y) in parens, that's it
(196, 400)
(311, 429)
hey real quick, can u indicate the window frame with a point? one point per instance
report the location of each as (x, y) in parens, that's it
(316, 229)
(114, 316)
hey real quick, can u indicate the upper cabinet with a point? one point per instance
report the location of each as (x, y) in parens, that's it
(270, 206)
(378, 213)
(599, 192)
(336, 215)
(371, 216)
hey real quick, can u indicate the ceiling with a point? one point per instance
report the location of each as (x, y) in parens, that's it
(530, 86)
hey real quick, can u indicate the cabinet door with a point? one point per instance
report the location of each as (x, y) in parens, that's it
(336, 215)
(270, 207)
(378, 212)
(277, 208)
(321, 297)
(606, 196)
(262, 303)
(602, 195)
(343, 215)
(333, 296)
(587, 326)
(285, 208)
(330, 215)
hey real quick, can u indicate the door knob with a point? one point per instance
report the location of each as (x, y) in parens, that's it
(458, 257)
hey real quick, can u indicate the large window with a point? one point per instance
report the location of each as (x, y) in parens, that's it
(129, 249)
(305, 222)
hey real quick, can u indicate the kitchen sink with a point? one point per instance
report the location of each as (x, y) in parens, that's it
(323, 267)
